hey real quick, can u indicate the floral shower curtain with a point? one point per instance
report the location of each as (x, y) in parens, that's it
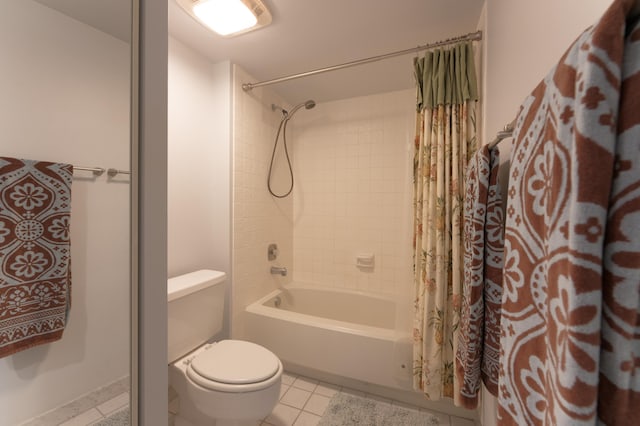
(445, 140)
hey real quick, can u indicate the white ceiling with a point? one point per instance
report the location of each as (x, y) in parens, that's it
(308, 34)
(110, 16)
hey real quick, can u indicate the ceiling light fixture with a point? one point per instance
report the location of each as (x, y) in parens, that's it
(228, 17)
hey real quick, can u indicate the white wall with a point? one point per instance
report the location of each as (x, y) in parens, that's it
(65, 97)
(523, 41)
(199, 165)
(199, 162)
(353, 192)
(258, 218)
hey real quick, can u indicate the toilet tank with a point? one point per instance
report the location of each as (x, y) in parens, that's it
(195, 310)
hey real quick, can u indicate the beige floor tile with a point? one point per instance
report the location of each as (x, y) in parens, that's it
(327, 389)
(295, 397)
(317, 404)
(283, 389)
(288, 378)
(307, 419)
(282, 415)
(305, 383)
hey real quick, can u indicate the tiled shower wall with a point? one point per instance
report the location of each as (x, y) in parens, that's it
(353, 192)
(258, 218)
(352, 168)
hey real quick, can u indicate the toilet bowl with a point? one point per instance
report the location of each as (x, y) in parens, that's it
(230, 382)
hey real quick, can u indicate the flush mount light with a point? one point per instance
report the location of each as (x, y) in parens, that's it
(228, 17)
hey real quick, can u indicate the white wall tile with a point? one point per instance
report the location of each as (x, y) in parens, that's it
(258, 218)
(357, 191)
(353, 193)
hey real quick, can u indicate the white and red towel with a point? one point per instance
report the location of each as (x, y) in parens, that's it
(571, 287)
(35, 256)
(478, 351)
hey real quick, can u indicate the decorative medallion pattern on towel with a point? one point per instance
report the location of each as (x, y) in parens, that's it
(35, 256)
(619, 385)
(571, 285)
(478, 350)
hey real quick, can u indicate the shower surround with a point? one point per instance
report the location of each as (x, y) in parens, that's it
(352, 195)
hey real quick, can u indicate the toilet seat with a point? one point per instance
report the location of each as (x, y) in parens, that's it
(235, 366)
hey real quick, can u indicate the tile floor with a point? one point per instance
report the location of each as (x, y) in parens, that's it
(303, 402)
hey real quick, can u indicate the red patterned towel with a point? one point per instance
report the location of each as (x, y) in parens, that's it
(570, 318)
(35, 272)
(478, 349)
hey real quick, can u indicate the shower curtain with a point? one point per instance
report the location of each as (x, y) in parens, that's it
(445, 140)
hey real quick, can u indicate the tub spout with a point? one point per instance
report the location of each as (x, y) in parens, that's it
(279, 270)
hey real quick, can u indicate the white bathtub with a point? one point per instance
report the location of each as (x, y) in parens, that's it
(344, 333)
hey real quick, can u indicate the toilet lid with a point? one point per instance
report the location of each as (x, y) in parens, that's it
(236, 362)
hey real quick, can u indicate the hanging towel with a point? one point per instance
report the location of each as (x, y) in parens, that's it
(479, 339)
(619, 384)
(35, 256)
(571, 287)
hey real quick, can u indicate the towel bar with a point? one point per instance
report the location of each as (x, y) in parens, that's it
(114, 172)
(97, 171)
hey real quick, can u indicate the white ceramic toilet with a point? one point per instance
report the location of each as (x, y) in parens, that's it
(231, 382)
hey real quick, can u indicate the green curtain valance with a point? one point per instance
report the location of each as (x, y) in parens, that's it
(446, 77)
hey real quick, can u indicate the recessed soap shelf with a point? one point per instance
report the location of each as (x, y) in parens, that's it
(365, 260)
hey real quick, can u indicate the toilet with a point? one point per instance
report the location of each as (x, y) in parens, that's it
(230, 382)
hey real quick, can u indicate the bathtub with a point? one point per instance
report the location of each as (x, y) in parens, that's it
(339, 332)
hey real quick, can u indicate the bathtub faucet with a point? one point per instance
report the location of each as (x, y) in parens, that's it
(279, 270)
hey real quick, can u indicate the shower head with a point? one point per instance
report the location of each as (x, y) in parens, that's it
(308, 105)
